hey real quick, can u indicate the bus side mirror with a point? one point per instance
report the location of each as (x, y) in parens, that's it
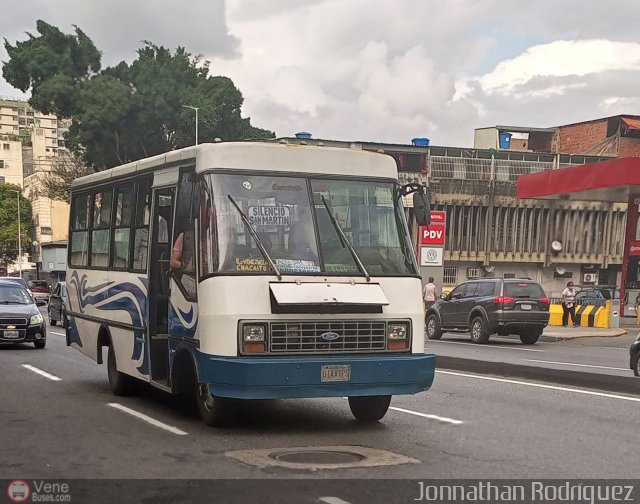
(421, 208)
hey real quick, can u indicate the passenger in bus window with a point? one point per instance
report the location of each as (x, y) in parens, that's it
(182, 253)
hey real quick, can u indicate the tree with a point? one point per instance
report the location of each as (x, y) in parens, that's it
(65, 168)
(53, 66)
(128, 111)
(9, 222)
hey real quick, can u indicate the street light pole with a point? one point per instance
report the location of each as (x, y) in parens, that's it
(19, 235)
(196, 109)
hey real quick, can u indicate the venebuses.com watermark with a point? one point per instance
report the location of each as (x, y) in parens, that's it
(533, 491)
(38, 491)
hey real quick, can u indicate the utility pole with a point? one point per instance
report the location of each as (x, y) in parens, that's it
(19, 235)
(196, 109)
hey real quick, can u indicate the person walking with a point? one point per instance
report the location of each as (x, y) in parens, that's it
(429, 293)
(568, 305)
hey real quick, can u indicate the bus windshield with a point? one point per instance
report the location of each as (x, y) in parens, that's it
(290, 216)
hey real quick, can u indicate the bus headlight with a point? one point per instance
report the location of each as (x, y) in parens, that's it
(254, 338)
(398, 336)
(253, 333)
(36, 319)
(397, 331)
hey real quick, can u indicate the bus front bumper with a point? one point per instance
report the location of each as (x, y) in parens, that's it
(302, 376)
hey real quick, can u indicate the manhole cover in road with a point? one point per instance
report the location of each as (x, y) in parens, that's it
(320, 457)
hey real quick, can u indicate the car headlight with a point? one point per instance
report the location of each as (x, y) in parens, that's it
(397, 331)
(36, 319)
(253, 333)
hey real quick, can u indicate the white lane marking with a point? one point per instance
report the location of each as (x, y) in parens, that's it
(510, 347)
(41, 372)
(333, 500)
(579, 365)
(431, 417)
(148, 419)
(57, 333)
(424, 415)
(540, 385)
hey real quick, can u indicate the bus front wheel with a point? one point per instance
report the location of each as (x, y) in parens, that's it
(369, 408)
(215, 411)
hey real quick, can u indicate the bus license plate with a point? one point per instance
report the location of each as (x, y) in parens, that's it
(335, 373)
(525, 306)
(11, 335)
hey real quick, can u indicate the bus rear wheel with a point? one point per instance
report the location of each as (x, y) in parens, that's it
(120, 383)
(369, 408)
(215, 411)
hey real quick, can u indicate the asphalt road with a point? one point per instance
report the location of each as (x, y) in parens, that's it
(67, 424)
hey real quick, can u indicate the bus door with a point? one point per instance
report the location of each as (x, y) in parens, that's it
(164, 205)
(183, 306)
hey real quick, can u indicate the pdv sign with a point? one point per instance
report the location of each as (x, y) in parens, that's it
(434, 234)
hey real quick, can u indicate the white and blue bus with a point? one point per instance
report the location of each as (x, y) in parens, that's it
(231, 271)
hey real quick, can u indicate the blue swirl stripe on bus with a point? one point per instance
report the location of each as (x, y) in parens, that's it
(102, 299)
(182, 324)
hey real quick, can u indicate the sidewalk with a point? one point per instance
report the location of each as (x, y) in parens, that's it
(557, 333)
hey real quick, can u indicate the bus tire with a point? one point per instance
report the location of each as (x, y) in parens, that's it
(215, 411)
(120, 383)
(369, 408)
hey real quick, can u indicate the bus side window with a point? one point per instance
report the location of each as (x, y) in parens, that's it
(208, 234)
(141, 225)
(183, 253)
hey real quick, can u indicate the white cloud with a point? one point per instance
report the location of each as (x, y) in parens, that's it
(559, 59)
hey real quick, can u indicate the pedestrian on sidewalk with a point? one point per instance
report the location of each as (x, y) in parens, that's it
(429, 293)
(569, 305)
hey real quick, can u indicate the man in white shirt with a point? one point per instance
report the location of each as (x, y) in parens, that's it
(429, 293)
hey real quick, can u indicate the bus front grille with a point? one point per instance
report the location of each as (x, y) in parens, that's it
(293, 337)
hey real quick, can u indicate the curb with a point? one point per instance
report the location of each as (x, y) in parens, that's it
(582, 379)
(552, 339)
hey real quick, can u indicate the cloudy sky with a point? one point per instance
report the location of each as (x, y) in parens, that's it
(381, 70)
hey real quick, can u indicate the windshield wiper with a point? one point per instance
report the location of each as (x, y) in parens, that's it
(256, 237)
(345, 240)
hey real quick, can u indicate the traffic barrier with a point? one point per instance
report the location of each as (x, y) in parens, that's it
(588, 315)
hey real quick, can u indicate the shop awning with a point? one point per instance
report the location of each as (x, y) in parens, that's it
(604, 181)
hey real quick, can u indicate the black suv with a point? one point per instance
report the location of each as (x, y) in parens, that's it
(492, 305)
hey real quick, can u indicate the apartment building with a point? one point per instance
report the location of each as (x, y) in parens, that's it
(29, 142)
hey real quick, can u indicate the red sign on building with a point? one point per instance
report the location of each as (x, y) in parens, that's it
(434, 233)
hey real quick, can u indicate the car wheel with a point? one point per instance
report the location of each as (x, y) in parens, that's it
(369, 408)
(478, 331)
(530, 337)
(215, 411)
(636, 365)
(120, 383)
(434, 331)
(40, 344)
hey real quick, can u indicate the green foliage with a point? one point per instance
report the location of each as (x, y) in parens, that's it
(53, 66)
(129, 111)
(9, 222)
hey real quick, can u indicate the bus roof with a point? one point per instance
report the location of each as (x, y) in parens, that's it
(259, 156)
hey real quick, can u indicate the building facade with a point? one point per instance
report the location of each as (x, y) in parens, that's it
(29, 142)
